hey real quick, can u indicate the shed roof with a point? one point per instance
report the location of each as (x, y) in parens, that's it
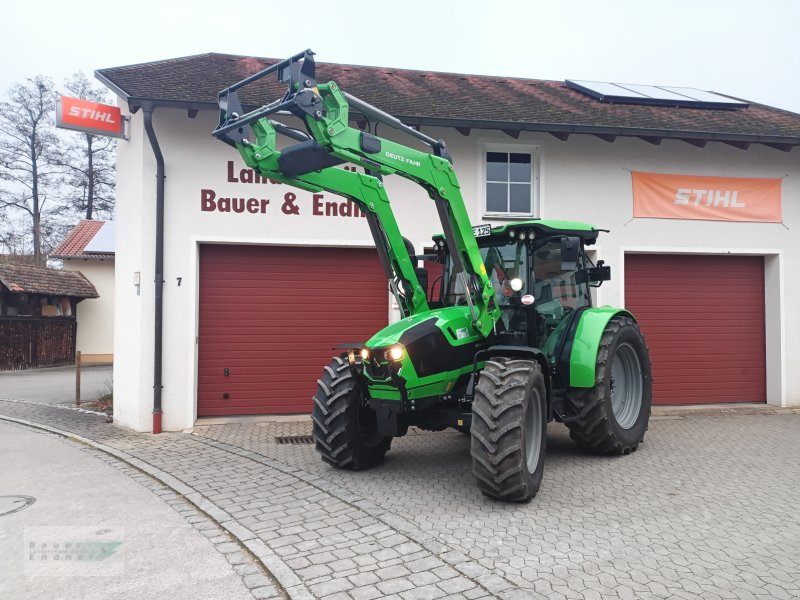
(23, 279)
(459, 100)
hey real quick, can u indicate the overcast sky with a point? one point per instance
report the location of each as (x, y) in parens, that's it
(749, 49)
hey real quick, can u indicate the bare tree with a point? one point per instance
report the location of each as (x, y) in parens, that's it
(14, 236)
(30, 152)
(89, 159)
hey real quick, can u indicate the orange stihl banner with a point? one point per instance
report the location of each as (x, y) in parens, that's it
(662, 196)
(92, 117)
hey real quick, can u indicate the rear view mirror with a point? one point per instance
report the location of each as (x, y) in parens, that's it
(570, 250)
(599, 273)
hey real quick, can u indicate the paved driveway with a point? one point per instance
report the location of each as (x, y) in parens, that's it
(80, 497)
(55, 385)
(707, 508)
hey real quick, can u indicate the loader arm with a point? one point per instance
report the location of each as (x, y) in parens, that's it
(366, 191)
(325, 110)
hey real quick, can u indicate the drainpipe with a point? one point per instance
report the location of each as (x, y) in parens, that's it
(159, 270)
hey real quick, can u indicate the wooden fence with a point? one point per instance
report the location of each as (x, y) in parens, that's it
(31, 342)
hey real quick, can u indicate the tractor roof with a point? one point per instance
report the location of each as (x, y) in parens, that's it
(544, 228)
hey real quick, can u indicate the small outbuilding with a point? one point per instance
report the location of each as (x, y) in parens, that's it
(37, 315)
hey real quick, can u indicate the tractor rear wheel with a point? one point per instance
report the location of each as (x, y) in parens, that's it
(612, 416)
(345, 430)
(509, 425)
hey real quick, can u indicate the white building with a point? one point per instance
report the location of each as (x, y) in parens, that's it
(261, 280)
(89, 248)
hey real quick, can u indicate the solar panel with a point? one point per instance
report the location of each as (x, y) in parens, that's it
(104, 241)
(653, 95)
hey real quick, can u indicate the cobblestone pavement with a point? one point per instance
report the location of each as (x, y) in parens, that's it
(705, 509)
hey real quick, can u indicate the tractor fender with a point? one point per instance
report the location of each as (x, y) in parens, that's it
(586, 342)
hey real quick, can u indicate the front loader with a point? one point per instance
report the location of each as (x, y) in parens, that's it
(509, 342)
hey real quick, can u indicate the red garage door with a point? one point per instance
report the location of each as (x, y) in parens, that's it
(703, 318)
(269, 318)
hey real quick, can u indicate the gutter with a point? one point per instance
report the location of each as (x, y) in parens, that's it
(159, 267)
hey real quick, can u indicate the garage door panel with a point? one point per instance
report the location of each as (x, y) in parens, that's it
(703, 319)
(272, 316)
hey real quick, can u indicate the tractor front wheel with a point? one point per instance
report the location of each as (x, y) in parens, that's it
(345, 429)
(612, 416)
(509, 425)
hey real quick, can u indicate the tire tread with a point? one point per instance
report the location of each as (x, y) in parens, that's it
(333, 427)
(592, 428)
(498, 455)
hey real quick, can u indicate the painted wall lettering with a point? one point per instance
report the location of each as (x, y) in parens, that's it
(209, 202)
(321, 208)
(245, 175)
(291, 204)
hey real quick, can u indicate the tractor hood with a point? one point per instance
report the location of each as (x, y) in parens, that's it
(438, 346)
(454, 322)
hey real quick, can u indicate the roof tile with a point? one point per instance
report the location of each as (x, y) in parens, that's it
(41, 280)
(433, 96)
(75, 242)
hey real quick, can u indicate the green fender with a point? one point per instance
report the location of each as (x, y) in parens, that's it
(583, 359)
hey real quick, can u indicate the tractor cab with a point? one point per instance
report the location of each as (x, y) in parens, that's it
(541, 276)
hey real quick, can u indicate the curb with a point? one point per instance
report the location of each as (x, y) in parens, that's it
(721, 410)
(287, 581)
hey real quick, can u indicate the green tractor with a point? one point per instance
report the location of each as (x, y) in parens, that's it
(502, 341)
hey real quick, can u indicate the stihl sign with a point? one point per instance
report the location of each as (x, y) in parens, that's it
(667, 196)
(91, 117)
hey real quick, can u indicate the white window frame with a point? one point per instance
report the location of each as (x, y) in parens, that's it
(535, 151)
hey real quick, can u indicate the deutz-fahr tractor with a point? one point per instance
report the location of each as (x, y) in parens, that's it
(496, 339)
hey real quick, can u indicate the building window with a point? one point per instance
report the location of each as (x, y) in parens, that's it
(510, 183)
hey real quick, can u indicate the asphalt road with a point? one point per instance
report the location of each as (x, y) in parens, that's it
(142, 548)
(56, 385)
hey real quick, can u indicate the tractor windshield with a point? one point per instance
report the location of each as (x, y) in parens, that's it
(507, 267)
(535, 294)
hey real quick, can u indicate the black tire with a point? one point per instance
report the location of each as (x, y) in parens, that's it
(509, 392)
(596, 426)
(344, 430)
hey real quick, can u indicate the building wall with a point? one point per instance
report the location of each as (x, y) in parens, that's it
(584, 178)
(95, 316)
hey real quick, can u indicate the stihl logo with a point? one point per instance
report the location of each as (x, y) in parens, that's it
(92, 115)
(709, 198)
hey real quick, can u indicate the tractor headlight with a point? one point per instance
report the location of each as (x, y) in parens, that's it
(364, 354)
(397, 352)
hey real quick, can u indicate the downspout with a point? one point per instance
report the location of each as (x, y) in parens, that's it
(159, 267)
